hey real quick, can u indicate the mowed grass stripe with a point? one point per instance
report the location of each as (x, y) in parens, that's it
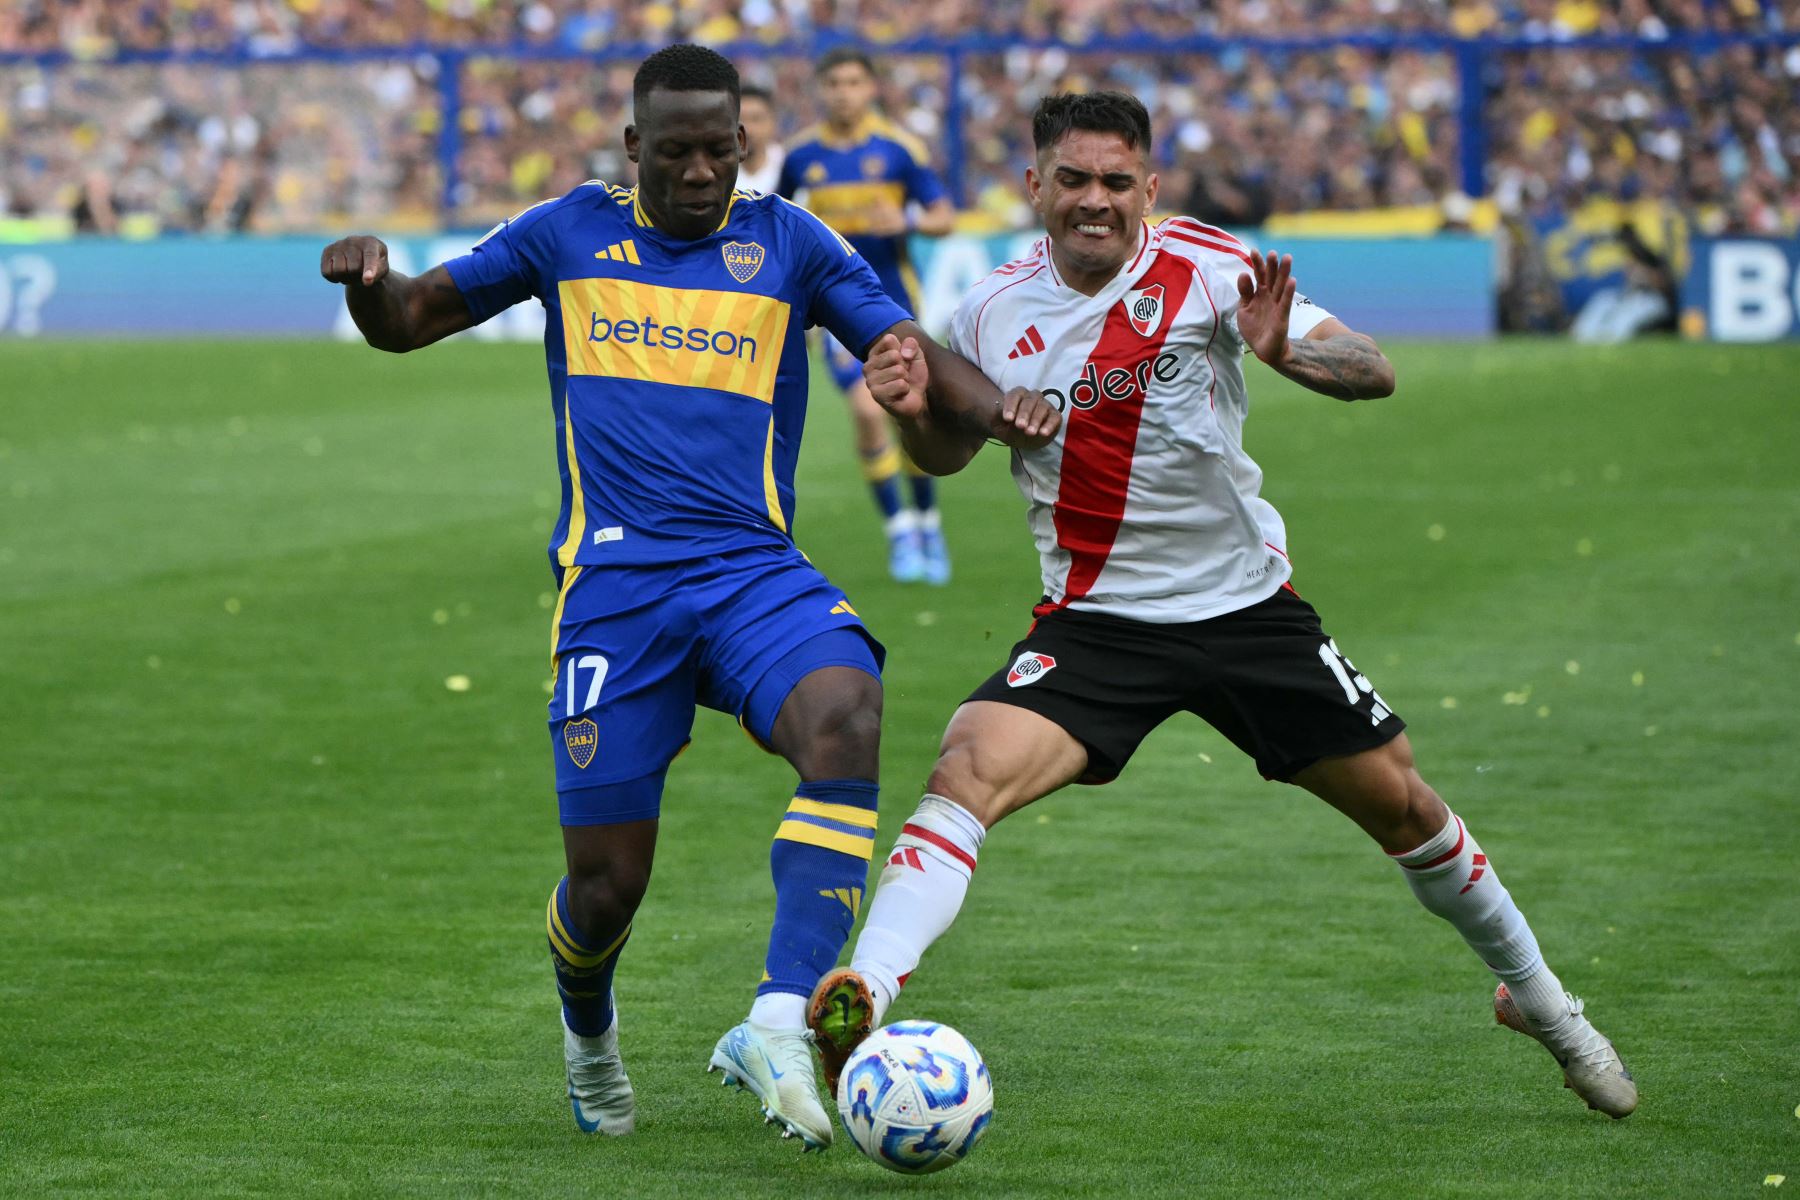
(271, 905)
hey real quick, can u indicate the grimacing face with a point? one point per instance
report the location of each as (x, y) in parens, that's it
(1093, 191)
(687, 146)
(848, 92)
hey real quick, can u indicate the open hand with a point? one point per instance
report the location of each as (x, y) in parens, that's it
(357, 259)
(1026, 420)
(897, 377)
(1264, 303)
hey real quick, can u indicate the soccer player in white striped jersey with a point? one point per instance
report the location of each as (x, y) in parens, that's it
(1166, 576)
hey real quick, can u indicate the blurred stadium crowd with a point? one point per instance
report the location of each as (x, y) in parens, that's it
(1243, 135)
(97, 27)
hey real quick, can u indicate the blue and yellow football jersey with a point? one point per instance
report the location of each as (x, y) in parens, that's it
(880, 165)
(678, 369)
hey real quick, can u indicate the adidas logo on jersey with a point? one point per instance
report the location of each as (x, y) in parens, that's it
(1030, 344)
(625, 251)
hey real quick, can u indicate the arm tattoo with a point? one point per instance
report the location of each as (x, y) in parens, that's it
(1349, 366)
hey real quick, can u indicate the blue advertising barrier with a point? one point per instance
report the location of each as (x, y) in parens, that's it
(1743, 290)
(1427, 287)
(1440, 286)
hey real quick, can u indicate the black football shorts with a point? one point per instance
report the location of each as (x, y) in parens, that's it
(1267, 677)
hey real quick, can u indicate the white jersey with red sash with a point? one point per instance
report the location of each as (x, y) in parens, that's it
(1146, 506)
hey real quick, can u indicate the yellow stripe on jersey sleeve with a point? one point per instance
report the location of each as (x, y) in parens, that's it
(903, 138)
(771, 494)
(562, 597)
(565, 554)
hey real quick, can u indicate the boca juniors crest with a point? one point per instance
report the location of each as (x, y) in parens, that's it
(1144, 307)
(1029, 667)
(743, 260)
(582, 738)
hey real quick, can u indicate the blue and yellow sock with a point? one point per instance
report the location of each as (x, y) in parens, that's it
(820, 861)
(584, 971)
(882, 470)
(924, 490)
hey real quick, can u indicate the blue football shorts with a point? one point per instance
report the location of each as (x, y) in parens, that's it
(846, 368)
(638, 647)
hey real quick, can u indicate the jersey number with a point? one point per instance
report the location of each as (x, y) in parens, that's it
(1355, 685)
(587, 662)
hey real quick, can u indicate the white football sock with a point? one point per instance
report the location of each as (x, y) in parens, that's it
(779, 1010)
(1453, 878)
(920, 891)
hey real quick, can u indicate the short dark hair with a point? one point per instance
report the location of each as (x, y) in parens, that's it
(685, 68)
(839, 55)
(756, 91)
(1097, 112)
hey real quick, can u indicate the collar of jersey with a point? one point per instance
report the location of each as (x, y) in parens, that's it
(643, 221)
(867, 127)
(1126, 276)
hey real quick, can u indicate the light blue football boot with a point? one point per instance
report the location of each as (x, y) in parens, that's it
(777, 1065)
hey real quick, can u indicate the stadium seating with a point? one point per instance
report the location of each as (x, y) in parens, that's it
(337, 134)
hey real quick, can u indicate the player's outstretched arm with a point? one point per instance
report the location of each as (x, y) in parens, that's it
(945, 407)
(1331, 359)
(395, 312)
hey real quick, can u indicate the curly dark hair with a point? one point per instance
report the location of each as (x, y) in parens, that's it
(685, 68)
(1098, 112)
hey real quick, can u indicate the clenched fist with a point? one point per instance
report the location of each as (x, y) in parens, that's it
(897, 377)
(357, 259)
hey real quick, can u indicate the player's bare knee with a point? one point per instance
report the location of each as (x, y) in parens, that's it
(1401, 811)
(830, 725)
(855, 732)
(968, 776)
(842, 737)
(607, 897)
(1426, 811)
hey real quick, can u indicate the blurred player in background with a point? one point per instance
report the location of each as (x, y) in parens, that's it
(872, 182)
(678, 379)
(1165, 574)
(761, 169)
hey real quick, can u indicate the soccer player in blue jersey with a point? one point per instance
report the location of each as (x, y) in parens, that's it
(867, 178)
(678, 376)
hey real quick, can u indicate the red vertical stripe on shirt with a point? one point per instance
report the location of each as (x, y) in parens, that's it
(1101, 441)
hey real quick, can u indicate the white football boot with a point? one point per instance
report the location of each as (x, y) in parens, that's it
(777, 1065)
(1592, 1069)
(599, 1092)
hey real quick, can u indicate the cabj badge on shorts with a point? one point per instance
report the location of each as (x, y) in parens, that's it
(582, 737)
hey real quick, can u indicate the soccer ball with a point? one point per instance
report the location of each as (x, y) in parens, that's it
(915, 1097)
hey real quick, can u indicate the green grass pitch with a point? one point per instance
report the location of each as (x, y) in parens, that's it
(272, 893)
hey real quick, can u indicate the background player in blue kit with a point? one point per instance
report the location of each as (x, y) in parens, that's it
(678, 373)
(865, 176)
